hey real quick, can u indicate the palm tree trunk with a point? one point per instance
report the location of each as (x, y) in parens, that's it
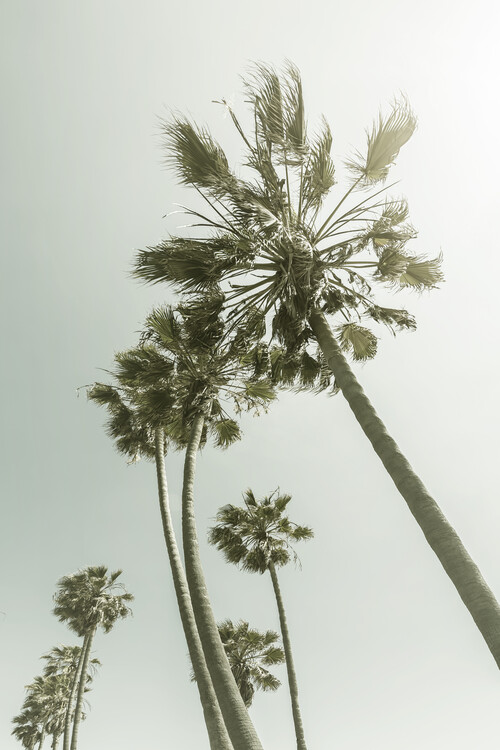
(217, 733)
(441, 536)
(81, 689)
(238, 723)
(290, 668)
(42, 737)
(71, 697)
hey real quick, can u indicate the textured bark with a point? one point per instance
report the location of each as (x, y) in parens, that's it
(290, 668)
(81, 689)
(71, 698)
(465, 575)
(217, 733)
(238, 723)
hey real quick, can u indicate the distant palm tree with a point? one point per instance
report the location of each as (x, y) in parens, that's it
(268, 249)
(26, 728)
(43, 710)
(66, 662)
(175, 387)
(258, 538)
(85, 601)
(249, 652)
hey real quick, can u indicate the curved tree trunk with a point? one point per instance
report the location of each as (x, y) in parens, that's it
(238, 723)
(441, 536)
(217, 733)
(71, 697)
(81, 689)
(290, 668)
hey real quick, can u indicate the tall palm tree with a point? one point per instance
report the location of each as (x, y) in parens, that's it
(86, 600)
(141, 431)
(249, 652)
(268, 248)
(188, 369)
(258, 538)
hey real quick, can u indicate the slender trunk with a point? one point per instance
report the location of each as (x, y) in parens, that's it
(42, 737)
(81, 689)
(290, 668)
(217, 733)
(238, 723)
(55, 741)
(71, 696)
(441, 536)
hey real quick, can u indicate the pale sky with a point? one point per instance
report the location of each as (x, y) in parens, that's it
(386, 654)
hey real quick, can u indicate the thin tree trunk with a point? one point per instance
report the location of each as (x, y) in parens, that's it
(238, 723)
(290, 668)
(42, 737)
(81, 690)
(441, 536)
(55, 741)
(71, 697)
(217, 733)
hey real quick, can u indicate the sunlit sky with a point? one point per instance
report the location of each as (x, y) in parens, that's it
(386, 654)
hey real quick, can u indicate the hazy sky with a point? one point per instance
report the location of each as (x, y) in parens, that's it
(386, 654)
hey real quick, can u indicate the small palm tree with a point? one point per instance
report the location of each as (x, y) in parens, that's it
(87, 600)
(66, 662)
(267, 249)
(258, 538)
(27, 727)
(176, 388)
(43, 710)
(249, 652)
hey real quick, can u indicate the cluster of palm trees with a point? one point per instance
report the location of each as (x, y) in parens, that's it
(274, 291)
(54, 704)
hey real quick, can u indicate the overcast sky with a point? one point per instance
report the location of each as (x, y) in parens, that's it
(386, 654)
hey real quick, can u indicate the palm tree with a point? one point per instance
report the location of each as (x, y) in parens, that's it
(180, 379)
(249, 652)
(66, 662)
(258, 538)
(268, 249)
(26, 728)
(43, 710)
(137, 435)
(86, 600)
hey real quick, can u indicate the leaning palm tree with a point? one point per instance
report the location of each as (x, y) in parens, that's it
(270, 245)
(138, 434)
(258, 538)
(249, 652)
(86, 600)
(179, 386)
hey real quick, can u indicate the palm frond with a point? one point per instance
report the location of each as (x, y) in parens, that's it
(196, 157)
(358, 341)
(384, 143)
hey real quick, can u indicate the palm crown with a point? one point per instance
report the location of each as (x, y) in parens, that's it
(188, 362)
(258, 534)
(265, 246)
(89, 598)
(249, 652)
